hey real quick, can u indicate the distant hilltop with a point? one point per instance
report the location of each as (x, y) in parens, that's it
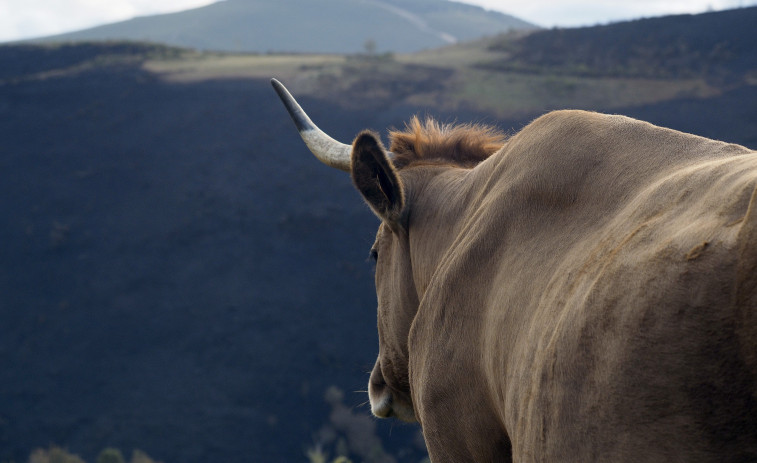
(305, 26)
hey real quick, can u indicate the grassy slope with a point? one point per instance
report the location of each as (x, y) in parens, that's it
(447, 79)
(515, 75)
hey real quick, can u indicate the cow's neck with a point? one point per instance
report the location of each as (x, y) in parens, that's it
(455, 239)
(446, 253)
(437, 199)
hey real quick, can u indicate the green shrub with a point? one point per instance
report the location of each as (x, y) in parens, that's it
(53, 455)
(110, 455)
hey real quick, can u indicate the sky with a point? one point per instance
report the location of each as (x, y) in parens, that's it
(20, 19)
(563, 13)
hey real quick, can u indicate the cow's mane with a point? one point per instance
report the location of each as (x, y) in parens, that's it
(429, 142)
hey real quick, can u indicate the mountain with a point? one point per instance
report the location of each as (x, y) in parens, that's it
(179, 275)
(325, 26)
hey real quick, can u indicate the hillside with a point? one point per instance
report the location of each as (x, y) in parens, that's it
(304, 26)
(164, 285)
(179, 275)
(715, 45)
(515, 76)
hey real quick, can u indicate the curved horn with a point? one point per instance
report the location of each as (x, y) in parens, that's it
(325, 148)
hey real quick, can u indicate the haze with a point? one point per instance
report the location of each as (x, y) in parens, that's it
(22, 19)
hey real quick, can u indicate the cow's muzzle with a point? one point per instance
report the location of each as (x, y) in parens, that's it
(385, 402)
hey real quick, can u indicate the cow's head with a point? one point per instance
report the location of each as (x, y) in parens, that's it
(374, 175)
(374, 172)
(376, 178)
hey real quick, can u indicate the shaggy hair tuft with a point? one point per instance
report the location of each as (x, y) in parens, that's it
(430, 142)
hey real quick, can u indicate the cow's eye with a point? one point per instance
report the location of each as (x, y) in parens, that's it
(374, 255)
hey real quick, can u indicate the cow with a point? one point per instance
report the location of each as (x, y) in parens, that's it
(583, 290)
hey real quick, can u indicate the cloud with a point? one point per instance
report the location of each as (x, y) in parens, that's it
(21, 19)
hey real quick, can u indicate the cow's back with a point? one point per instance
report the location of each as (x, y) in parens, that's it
(636, 337)
(604, 277)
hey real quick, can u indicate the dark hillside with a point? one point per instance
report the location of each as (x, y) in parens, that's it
(731, 116)
(178, 274)
(718, 45)
(24, 61)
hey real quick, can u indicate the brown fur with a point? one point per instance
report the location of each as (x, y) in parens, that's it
(430, 142)
(586, 293)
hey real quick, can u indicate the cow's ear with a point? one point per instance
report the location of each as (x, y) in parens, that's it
(376, 178)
